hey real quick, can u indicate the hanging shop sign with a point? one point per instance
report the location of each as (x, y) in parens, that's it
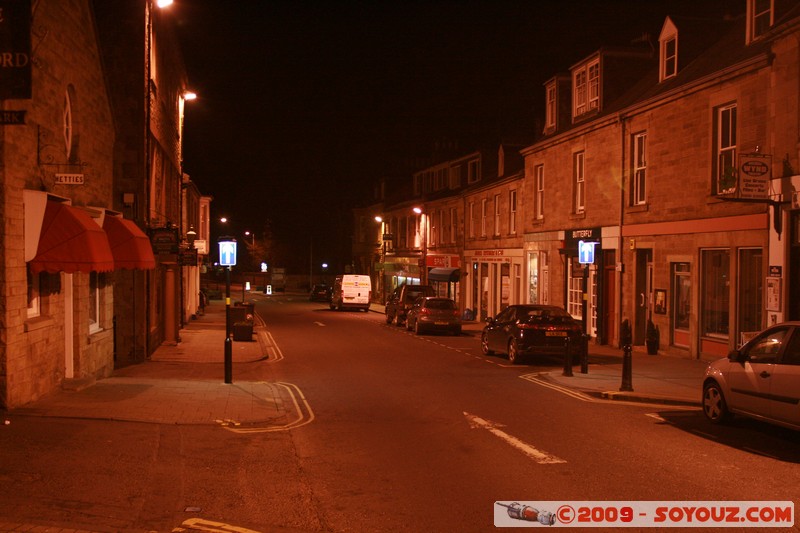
(755, 171)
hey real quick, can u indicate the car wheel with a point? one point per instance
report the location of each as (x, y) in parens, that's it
(417, 330)
(457, 331)
(714, 406)
(513, 352)
(388, 318)
(485, 344)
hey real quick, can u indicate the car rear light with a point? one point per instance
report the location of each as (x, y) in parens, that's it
(424, 311)
(456, 313)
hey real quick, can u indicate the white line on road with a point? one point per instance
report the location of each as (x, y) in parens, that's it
(274, 354)
(319, 324)
(537, 455)
(304, 413)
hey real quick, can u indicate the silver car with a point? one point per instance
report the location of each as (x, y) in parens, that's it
(759, 380)
(430, 313)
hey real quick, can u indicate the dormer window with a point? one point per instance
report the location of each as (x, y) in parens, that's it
(586, 88)
(668, 46)
(760, 15)
(550, 107)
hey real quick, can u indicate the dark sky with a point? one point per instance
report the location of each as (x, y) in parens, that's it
(303, 105)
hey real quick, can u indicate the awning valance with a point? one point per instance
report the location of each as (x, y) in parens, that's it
(444, 274)
(70, 241)
(130, 247)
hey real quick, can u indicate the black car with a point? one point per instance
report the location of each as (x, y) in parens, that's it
(321, 293)
(524, 330)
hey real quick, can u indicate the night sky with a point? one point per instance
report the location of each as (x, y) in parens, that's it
(303, 105)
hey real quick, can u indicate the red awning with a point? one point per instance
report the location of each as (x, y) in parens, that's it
(70, 241)
(129, 245)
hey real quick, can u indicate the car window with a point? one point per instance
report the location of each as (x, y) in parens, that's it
(506, 315)
(766, 346)
(441, 304)
(791, 354)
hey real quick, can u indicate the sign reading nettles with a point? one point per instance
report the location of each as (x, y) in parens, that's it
(15, 49)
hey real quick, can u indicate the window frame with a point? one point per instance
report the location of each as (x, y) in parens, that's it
(95, 302)
(538, 183)
(760, 18)
(579, 182)
(512, 212)
(725, 147)
(496, 224)
(639, 170)
(586, 88)
(550, 105)
(669, 59)
(484, 214)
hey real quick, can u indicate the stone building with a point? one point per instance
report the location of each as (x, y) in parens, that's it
(56, 281)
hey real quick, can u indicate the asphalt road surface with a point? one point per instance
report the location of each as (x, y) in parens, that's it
(408, 433)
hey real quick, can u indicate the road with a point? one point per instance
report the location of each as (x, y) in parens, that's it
(409, 433)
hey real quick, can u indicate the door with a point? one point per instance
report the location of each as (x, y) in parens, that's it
(644, 293)
(608, 325)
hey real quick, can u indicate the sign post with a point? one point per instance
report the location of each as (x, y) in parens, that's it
(227, 259)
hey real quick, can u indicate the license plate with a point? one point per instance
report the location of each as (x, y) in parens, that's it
(440, 323)
(555, 333)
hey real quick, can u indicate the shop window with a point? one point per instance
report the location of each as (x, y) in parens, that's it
(751, 289)
(575, 289)
(34, 294)
(715, 295)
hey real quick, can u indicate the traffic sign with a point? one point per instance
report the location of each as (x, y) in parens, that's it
(586, 252)
(227, 252)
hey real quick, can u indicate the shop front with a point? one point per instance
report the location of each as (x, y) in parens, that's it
(494, 281)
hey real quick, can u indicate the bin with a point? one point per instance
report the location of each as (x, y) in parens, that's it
(242, 331)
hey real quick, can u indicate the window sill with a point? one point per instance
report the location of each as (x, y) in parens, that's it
(39, 322)
(642, 208)
(578, 216)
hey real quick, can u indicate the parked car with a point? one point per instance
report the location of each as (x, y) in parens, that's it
(401, 300)
(759, 380)
(321, 293)
(351, 291)
(430, 313)
(525, 330)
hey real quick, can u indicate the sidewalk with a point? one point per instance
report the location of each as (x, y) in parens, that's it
(184, 383)
(181, 384)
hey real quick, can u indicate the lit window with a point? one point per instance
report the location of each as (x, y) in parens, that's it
(725, 163)
(579, 199)
(512, 212)
(639, 169)
(453, 224)
(538, 173)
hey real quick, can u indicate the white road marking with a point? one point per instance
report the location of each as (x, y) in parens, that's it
(319, 324)
(200, 524)
(537, 455)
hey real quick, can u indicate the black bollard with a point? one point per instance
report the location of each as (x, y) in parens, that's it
(567, 358)
(627, 364)
(585, 354)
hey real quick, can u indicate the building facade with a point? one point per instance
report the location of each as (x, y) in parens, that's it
(659, 196)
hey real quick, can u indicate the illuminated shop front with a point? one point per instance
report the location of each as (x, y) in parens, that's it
(495, 281)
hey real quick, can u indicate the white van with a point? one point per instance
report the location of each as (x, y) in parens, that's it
(351, 291)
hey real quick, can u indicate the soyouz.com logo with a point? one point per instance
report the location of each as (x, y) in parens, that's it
(642, 514)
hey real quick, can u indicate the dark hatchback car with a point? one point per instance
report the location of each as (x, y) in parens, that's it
(430, 313)
(525, 330)
(321, 293)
